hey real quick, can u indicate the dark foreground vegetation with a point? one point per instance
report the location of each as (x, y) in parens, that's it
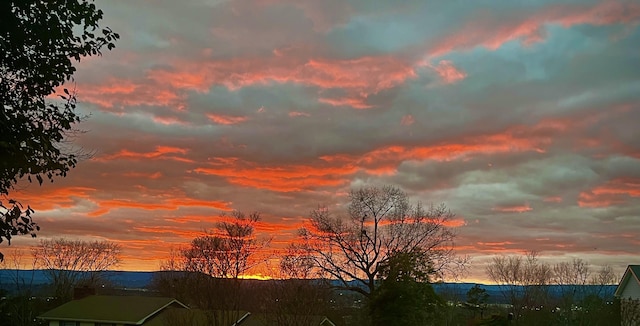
(26, 294)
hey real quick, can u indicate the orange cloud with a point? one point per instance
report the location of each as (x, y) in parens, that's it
(448, 72)
(492, 33)
(367, 74)
(298, 114)
(590, 200)
(164, 230)
(605, 13)
(154, 176)
(226, 119)
(495, 247)
(356, 103)
(380, 161)
(188, 219)
(98, 212)
(335, 170)
(626, 185)
(144, 255)
(155, 204)
(119, 87)
(285, 179)
(454, 223)
(507, 142)
(48, 199)
(272, 228)
(122, 92)
(513, 209)
(168, 121)
(358, 77)
(160, 152)
(614, 192)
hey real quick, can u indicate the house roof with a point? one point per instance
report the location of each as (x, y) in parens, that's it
(632, 273)
(198, 317)
(130, 310)
(270, 319)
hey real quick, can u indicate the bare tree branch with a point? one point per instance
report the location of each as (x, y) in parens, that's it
(72, 263)
(379, 223)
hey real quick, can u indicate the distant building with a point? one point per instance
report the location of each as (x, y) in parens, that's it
(629, 293)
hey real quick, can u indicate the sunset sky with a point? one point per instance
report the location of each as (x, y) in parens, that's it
(523, 117)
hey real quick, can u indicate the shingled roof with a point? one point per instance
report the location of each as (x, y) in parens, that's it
(127, 310)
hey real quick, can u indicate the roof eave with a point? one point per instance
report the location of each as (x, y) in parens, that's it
(628, 274)
(81, 320)
(143, 320)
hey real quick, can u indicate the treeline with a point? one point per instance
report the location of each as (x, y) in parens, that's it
(67, 265)
(565, 293)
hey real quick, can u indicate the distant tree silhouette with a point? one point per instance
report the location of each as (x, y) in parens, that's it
(630, 312)
(206, 274)
(566, 293)
(18, 307)
(524, 280)
(478, 297)
(295, 296)
(229, 251)
(74, 263)
(572, 277)
(39, 43)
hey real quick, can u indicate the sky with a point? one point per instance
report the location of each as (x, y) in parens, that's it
(521, 116)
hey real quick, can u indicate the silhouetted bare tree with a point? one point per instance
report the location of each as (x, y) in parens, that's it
(206, 274)
(295, 296)
(379, 223)
(523, 279)
(19, 308)
(74, 263)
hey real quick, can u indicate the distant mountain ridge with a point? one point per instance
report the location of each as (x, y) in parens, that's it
(140, 280)
(125, 279)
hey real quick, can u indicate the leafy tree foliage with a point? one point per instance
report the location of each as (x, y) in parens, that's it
(15, 220)
(404, 296)
(39, 43)
(478, 297)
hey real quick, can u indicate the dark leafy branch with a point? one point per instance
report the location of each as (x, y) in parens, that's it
(40, 41)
